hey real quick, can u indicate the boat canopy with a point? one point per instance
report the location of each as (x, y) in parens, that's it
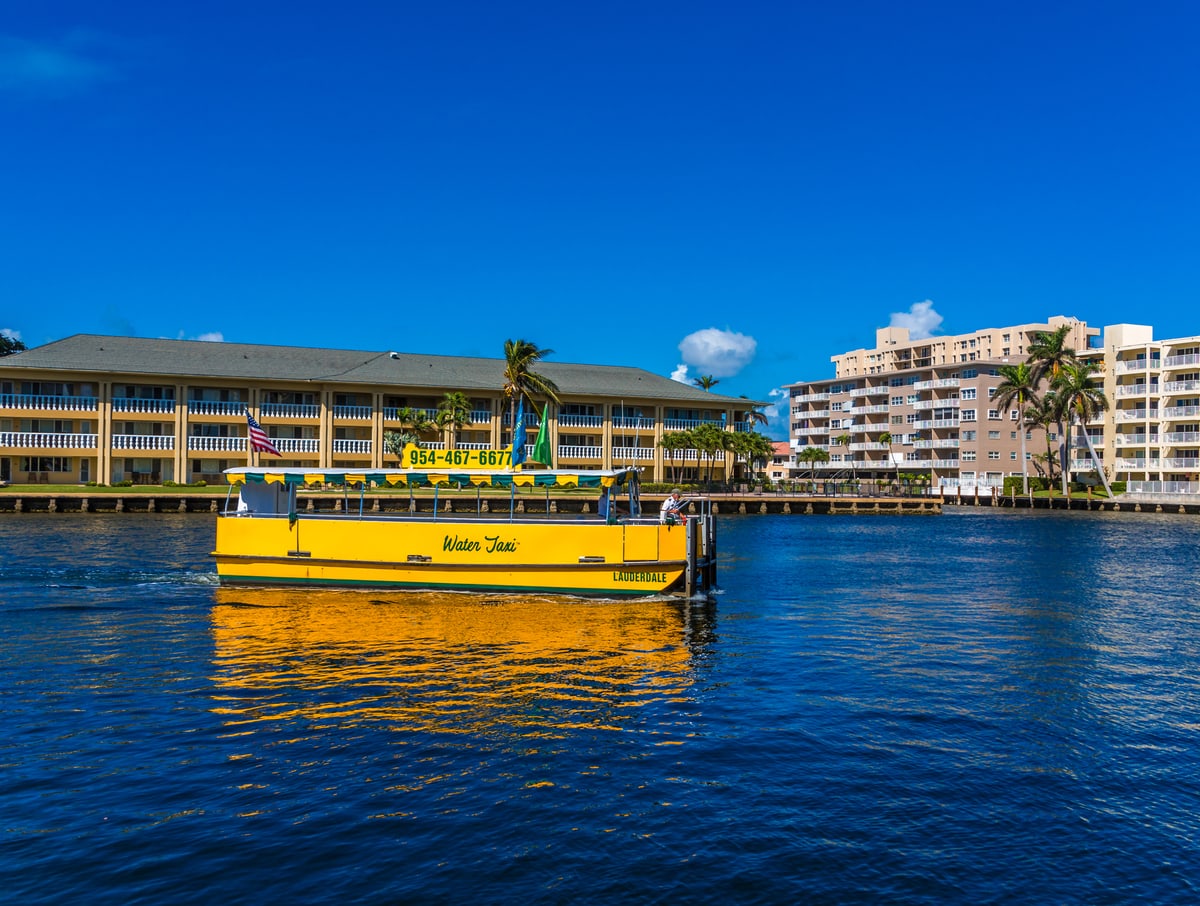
(420, 478)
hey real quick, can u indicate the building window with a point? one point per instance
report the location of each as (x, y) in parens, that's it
(993, 435)
(1012, 455)
(993, 414)
(970, 373)
(968, 393)
(968, 435)
(993, 454)
(968, 455)
(967, 415)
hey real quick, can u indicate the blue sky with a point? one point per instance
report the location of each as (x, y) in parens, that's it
(741, 189)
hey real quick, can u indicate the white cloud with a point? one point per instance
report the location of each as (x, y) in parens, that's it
(10, 333)
(921, 320)
(681, 374)
(720, 353)
(214, 336)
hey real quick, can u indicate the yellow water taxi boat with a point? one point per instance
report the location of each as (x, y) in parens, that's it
(609, 549)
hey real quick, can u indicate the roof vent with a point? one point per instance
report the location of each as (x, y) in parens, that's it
(393, 355)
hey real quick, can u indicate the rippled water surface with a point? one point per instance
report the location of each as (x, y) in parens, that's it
(978, 707)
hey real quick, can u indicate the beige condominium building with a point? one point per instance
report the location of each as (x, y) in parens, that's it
(107, 409)
(1151, 432)
(924, 407)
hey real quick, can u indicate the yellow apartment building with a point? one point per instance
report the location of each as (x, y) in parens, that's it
(107, 409)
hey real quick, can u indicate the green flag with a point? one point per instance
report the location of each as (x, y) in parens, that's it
(541, 449)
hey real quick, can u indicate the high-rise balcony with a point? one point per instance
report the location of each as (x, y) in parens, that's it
(1125, 366)
(1181, 387)
(1186, 463)
(1181, 437)
(1181, 412)
(935, 384)
(1182, 361)
(1135, 389)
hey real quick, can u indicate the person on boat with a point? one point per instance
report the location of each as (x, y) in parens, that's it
(672, 509)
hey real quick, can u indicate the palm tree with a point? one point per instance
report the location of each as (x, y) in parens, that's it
(1077, 396)
(812, 456)
(1017, 389)
(844, 440)
(707, 381)
(1048, 355)
(754, 415)
(709, 440)
(9, 345)
(675, 442)
(413, 423)
(1039, 413)
(520, 380)
(454, 412)
(756, 448)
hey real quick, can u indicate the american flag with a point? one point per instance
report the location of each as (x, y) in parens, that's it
(258, 437)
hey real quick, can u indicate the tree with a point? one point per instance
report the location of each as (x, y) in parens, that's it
(756, 447)
(1078, 398)
(675, 442)
(1039, 413)
(520, 380)
(707, 381)
(9, 345)
(413, 423)
(1048, 355)
(709, 440)
(812, 456)
(844, 440)
(754, 415)
(1017, 389)
(454, 412)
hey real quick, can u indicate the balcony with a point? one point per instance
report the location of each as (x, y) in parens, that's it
(290, 410)
(354, 447)
(811, 398)
(631, 423)
(1126, 365)
(869, 391)
(630, 454)
(945, 423)
(868, 410)
(1182, 361)
(933, 385)
(1181, 437)
(296, 444)
(1186, 463)
(1181, 412)
(1135, 389)
(1135, 415)
(144, 406)
(47, 403)
(687, 424)
(143, 442)
(921, 405)
(949, 443)
(480, 416)
(1181, 387)
(352, 413)
(573, 452)
(235, 408)
(1125, 464)
(206, 444)
(1129, 440)
(869, 446)
(36, 440)
(581, 421)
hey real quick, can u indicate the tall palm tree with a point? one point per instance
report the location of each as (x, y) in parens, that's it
(1017, 389)
(1077, 396)
(754, 415)
(520, 380)
(1048, 355)
(674, 443)
(844, 440)
(454, 412)
(707, 381)
(1040, 413)
(709, 440)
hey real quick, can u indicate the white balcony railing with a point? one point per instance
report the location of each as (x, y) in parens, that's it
(628, 454)
(1181, 387)
(1180, 361)
(1187, 463)
(1181, 437)
(144, 406)
(1135, 389)
(49, 403)
(206, 444)
(1135, 415)
(143, 442)
(217, 407)
(297, 444)
(1126, 464)
(29, 440)
(931, 385)
(633, 423)
(581, 421)
(1129, 440)
(686, 424)
(351, 413)
(1181, 412)
(357, 447)
(577, 452)
(1191, 488)
(290, 410)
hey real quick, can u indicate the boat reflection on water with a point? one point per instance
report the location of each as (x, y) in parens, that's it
(450, 662)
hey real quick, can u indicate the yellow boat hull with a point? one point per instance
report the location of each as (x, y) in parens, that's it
(555, 556)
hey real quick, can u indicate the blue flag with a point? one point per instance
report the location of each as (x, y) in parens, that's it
(518, 448)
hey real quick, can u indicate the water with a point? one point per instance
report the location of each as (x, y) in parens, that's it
(979, 707)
